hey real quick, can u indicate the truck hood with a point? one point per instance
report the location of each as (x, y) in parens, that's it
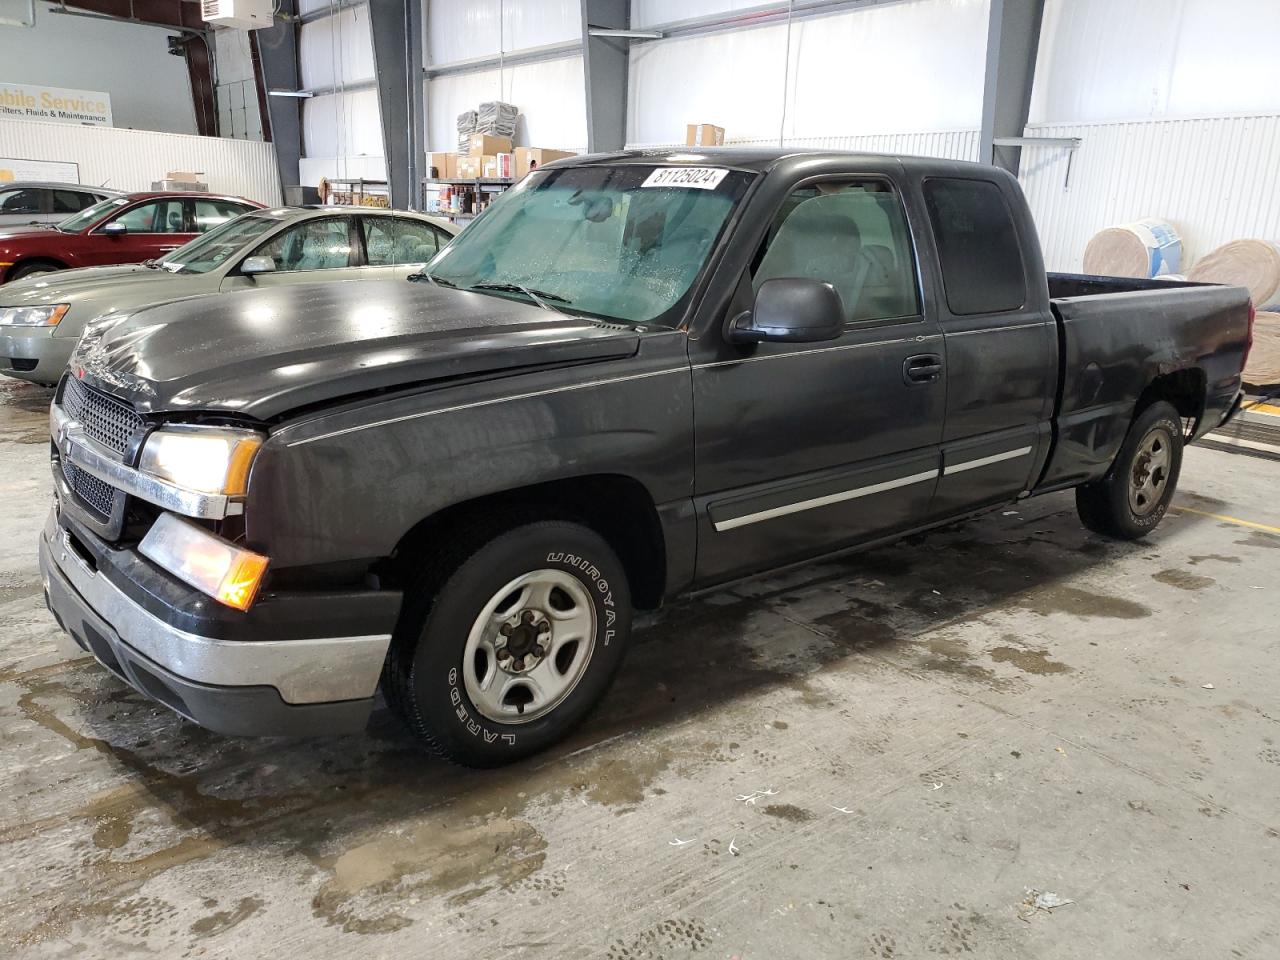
(262, 353)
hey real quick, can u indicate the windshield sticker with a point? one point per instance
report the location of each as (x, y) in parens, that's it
(695, 178)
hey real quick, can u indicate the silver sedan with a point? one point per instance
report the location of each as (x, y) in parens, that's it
(42, 317)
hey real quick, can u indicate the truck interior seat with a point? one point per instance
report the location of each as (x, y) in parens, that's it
(819, 244)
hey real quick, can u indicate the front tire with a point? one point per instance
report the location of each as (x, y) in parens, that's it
(1132, 499)
(500, 654)
(32, 269)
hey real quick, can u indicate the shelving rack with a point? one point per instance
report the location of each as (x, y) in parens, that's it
(476, 186)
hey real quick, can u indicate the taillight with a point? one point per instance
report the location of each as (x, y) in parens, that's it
(1248, 342)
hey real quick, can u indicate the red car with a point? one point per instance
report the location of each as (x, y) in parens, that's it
(126, 229)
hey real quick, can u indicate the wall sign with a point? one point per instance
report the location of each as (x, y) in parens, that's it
(47, 171)
(25, 101)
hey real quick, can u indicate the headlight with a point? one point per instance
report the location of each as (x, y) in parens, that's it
(34, 316)
(206, 459)
(210, 564)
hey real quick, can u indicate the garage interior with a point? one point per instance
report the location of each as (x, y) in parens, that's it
(1005, 737)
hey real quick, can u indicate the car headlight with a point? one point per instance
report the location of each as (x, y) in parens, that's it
(228, 573)
(205, 459)
(47, 316)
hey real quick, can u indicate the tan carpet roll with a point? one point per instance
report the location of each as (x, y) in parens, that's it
(1263, 367)
(1243, 263)
(1144, 248)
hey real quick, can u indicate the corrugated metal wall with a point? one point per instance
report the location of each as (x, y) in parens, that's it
(132, 159)
(1217, 179)
(945, 144)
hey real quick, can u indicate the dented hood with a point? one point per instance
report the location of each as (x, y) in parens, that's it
(263, 353)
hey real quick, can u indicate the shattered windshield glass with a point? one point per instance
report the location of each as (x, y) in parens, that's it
(618, 242)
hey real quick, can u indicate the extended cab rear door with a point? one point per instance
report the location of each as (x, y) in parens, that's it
(802, 448)
(1000, 339)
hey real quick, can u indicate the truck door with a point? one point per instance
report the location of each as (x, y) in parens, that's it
(1001, 343)
(805, 447)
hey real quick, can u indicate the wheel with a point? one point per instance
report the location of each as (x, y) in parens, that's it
(1132, 499)
(501, 653)
(33, 268)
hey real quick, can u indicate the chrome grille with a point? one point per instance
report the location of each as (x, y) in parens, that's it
(98, 495)
(109, 421)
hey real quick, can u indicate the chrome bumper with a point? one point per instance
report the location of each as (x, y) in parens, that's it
(299, 672)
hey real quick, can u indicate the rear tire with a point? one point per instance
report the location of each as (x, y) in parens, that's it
(33, 268)
(1132, 499)
(502, 651)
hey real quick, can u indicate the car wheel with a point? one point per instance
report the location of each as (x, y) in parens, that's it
(501, 655)
(31, 269)
(1132, 499)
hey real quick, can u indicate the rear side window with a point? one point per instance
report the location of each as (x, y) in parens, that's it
(981, 258)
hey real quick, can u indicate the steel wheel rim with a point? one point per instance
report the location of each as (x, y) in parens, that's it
(506, 677)
(1149, 477)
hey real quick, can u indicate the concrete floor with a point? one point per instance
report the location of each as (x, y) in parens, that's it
(923, 735)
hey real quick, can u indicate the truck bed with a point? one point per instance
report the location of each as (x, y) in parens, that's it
(1118, 335)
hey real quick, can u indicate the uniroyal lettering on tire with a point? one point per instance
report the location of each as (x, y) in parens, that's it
(438, 678)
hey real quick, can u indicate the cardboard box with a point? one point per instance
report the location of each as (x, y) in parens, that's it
(485, 145)
(186, 176)
(444, 164)
(469, 168)
(703, 135)
(530, 158)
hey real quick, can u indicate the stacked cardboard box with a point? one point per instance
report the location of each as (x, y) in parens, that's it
(530, 158)
(703, 135)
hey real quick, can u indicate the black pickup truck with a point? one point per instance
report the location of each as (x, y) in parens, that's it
(636, 376)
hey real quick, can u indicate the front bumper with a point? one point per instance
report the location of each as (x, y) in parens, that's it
(34, 353)
(278, 670)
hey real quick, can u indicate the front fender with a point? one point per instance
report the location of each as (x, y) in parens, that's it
(348, 484)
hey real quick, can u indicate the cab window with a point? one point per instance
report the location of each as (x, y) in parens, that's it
(20, 201)
(154, 216)
(389, 241)
(313, 245)
(214, 213)
(851, 234)
(72, 201)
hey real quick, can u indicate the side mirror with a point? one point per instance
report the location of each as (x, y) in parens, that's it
(255, 265)
(115, 229)
(790, 310)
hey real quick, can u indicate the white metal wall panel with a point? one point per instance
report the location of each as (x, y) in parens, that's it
(342, 125)
(874, 70)
(336, 49)
(943, 144)
(1214, 178)
(1104, 60)
(133, 159)
(465, 29)
(311, 169)
(551, 95)
(650, 13)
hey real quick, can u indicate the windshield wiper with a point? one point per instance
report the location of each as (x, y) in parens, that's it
(152, 264)
(540, 297)
(436, 281)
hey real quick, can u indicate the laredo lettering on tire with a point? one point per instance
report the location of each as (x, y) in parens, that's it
(501, 653)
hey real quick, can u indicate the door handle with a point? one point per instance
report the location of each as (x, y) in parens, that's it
(922, 368)
(170, 248)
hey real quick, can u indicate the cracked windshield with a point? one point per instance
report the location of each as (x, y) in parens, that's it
(621, 243)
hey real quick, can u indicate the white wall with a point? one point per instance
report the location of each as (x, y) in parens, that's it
(341, 130)
(133, 159)
(1110, 60)
(916, 65)
(149, 88)
(235, 85)
(465, 29)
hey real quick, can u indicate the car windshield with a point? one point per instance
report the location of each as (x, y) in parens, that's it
(220, 244)
(91, 215)
(621, 243)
